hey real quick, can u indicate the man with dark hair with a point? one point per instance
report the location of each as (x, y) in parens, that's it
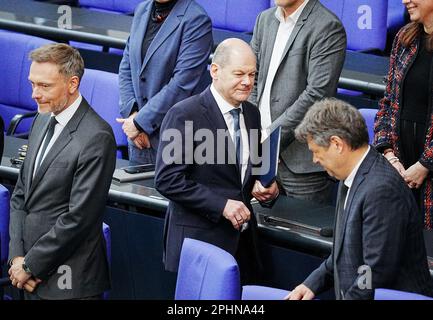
(57, 248)
(300, 48)
(378, 239)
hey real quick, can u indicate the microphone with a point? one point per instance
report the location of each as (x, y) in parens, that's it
(326, 232)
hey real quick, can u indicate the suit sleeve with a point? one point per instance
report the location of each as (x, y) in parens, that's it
(194, 51)
(322, 278)
(18, 212)
(126, 88)
(172, 178)
(384, 220)
(324, 69)
(17, 215)
(383, 119)
(255, 45)
(88, 196)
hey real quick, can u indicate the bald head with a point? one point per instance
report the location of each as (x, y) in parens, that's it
(232, 47)
(233, 70)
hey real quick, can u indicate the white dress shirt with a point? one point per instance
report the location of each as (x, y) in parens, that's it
(349, 180)
(62, 120)
(285, 29)
(225, 109)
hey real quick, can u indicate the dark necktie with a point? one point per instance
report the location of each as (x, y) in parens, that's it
(49, 136)
(237, 132)
(339, 219)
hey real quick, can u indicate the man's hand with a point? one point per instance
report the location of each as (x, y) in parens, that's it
(301, 292)
(129, 127)
(17, 274)
(31, 284)
(237, 213)
(415, 175)
(265, 194)
(142, 141)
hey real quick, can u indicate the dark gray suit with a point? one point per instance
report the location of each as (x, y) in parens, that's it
(381, 227)
(309, 71)
(56, 217)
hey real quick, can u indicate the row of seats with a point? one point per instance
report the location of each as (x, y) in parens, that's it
(367, 22)
(207, 272)
(100, 88)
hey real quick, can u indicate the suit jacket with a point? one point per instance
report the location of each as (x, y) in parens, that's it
(198, 193)
(309, 71)
(172, 67)
(382, 229)
(56, 216)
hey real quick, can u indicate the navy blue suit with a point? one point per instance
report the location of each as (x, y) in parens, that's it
(172, 66)
(198, 193)
(381, 228)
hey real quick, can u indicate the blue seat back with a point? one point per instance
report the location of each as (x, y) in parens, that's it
(16, 91)
(263, 293)
(115, 6)
(101, 90)
(206, 272)
(369, 115)
(364, 21)
(4, 224)
(396, 15)
(234, 15)
(388, 294)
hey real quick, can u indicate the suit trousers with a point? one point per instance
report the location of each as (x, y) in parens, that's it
(316, 186)
(247, 257)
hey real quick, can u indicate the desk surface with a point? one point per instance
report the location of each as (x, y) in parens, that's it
(41, 19)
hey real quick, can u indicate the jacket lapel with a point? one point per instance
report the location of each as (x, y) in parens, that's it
(301, 21)
(137, 37)
(216, 120)
(62, 141)
(249, 124)
(170, 24)
(42, 129)
(359, 179)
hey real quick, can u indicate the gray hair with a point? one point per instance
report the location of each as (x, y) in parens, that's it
(332, 117)
(68, 59)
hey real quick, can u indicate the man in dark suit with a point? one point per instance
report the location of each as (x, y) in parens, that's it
(210, 199)
(164, 59)
(57, 249)
(378, 239)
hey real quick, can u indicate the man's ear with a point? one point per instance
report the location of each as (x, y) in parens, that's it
(337, 143)
(74, 82)
(214, 71)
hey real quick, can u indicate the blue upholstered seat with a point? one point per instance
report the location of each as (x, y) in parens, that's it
(388, 294)
(16, 91)
(225, 13)
(364, 20)
(206, 272)
(113, 6)
(101, 90)
(369, 115)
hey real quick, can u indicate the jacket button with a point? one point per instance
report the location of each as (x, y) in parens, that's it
(144, 100)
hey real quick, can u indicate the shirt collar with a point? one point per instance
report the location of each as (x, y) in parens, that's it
(349, 180)
(293, 17)
(224, 106)
(67, 114)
